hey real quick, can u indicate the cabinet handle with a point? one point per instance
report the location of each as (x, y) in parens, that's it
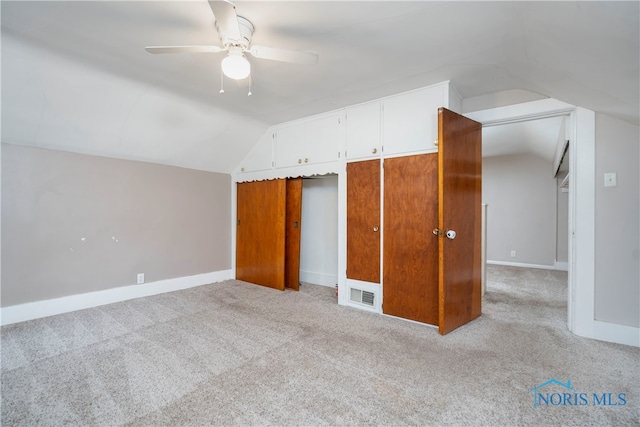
(374, 151)
(375, 229)
(306, 160)
(435, 142)
(299, 161)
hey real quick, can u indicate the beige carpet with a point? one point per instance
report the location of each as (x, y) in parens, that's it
(233, 353)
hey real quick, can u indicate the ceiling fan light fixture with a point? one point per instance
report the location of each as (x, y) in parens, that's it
(236, 66)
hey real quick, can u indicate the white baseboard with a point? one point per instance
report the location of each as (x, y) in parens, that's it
(330, 280)
(522, 264)
(38, 309)
(620, 334)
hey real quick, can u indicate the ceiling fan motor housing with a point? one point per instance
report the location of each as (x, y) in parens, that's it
(246, 33)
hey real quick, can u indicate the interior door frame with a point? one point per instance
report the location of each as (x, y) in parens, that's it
(581, 134)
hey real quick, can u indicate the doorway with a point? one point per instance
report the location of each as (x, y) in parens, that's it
(527, 214)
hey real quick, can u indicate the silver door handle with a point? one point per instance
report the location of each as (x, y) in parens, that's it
(451, 234)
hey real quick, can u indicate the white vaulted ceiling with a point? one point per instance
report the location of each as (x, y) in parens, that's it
(76, 77)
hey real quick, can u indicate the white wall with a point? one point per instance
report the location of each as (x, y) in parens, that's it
(617, 279)
(521, 194)
(319, 234)
(562, 238)
(499, 99)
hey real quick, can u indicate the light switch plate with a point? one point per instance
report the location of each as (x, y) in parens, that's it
(610, 179)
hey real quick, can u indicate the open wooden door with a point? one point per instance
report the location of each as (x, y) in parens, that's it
(459, 222)
(363, 221)
(260, 233)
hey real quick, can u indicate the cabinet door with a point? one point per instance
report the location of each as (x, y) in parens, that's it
(410, 120)
(260, 157)
(410, 248)
(363, 131)
(260, 233)
(315, 141)
(363, 221)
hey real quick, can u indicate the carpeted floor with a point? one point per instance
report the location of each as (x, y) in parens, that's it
(233, 353)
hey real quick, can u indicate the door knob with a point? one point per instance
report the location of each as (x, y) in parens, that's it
(451, 234)
(437, 232)
(375, 229)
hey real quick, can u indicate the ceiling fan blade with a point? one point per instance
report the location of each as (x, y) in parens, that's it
(183, 49)
(284, 55)
(226, 19)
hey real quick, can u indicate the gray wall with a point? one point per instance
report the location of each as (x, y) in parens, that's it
(521, 196)
(617, 216)
(134, 217)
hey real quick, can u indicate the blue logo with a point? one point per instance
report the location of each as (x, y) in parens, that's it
(557, 393)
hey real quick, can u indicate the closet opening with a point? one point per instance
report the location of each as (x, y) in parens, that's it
(319, 232)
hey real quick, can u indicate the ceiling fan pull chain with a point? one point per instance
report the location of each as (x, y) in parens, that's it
(221, 83)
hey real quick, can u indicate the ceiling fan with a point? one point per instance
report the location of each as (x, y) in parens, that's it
(235, 33)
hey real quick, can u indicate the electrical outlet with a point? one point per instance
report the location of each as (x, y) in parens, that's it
(610, 179)
(140, 278)
(513, 254)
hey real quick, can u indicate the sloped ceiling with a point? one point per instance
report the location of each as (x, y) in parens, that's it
(76, 77)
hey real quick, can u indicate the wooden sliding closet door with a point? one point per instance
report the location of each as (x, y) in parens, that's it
(410, 248)
(292, 230)
(460, 198)
(363, 221)
(260, 233)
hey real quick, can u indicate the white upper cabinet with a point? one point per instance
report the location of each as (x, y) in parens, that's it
(410, 120)
(261, 156)
(363, 130)
(308, 142)
(397, 125)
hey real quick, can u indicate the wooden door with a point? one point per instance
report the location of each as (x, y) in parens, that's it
(292, 238)
(363, 221)
(410, 247)
(460, 198)
(260, 233)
